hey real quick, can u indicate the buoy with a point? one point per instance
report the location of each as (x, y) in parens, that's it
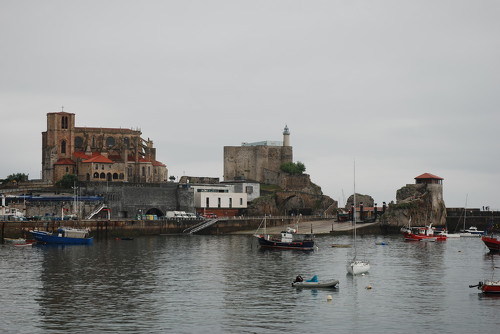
(363, 274)
(368, 287)
(329, 297)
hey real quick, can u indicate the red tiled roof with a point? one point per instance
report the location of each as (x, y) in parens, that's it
(80, 154)
(115, 157)
(157, 163)
(428, 176)
(98, 158)
(65, 161)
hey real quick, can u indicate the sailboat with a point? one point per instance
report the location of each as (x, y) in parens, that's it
(356, 266)
(471, 231)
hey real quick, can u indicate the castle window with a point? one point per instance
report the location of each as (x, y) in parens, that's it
(122, 176)
(102, 176)
(129, 171)
(67, 169)
(96, 175)
(126, 142)
(149, 171)
(143, 171)
(115, 176)
(63, 146)
(102, 167)
(96, 166)
(93, 141)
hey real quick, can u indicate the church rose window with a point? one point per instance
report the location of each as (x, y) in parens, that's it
(110, 142)
(78, 142)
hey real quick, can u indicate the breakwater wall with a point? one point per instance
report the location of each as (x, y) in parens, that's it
(131, 228)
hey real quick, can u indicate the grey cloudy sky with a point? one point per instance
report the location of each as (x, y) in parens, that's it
(401, 87)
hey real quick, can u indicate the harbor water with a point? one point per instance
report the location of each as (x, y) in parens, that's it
(227, 284)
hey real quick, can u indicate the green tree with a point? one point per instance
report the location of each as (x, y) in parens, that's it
(293, 168)
(67, 181)
(18, 177)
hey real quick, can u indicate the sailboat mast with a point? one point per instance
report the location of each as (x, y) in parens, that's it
(354, 209)
(465, 209)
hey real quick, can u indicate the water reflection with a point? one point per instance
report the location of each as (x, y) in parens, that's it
(226, 284)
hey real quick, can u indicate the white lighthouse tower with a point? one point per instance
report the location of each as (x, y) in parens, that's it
(286, 136)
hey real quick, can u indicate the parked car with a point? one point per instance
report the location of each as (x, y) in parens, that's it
(209, 215)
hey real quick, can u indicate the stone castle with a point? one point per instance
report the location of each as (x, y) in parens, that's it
(97, 154)
(258, 162)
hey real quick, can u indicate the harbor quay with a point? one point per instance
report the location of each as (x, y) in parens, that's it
(110, 228)
(133, 228)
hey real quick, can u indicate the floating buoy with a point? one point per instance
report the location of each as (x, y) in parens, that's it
(368, 287)
(363, 274)
(329, 297)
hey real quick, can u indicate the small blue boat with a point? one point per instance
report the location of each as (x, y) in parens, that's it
(64, 235)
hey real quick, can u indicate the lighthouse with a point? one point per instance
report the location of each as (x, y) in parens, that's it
(286, 136)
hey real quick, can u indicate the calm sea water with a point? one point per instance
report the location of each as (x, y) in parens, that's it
(226, 284)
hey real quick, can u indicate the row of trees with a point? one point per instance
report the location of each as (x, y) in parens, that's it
(18, 177)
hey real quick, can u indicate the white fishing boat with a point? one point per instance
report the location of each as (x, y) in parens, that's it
(356, 266)
(471, 231)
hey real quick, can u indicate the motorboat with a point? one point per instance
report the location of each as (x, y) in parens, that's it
(471, 232)
(314, 283)
(488, 286)
(287, 239)
(425, 233)
(64, 235)
(492, 242)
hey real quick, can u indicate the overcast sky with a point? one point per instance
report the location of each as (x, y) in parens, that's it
(400, 87)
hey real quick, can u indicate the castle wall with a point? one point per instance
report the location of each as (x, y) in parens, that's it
(250, 162)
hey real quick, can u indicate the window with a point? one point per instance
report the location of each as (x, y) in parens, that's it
(241, 201)
(96, 166)
(102, 176)
(64, 122)
(143, 171)
(230, 203)
(207, 205)
(96, 175)
(110, 142)
(218, 202)
(63, 146)
(115, 176)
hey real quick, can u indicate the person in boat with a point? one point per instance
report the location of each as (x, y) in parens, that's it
(298, 279)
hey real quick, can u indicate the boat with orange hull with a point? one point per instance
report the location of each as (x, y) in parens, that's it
(488, 286)
(493, 243)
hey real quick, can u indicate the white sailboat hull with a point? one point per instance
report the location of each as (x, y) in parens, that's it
(357, 267)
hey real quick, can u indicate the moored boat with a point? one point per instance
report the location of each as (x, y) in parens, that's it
(492, 242)
(288, 239)
(488, 286)
(64, 235)
(471, 232)
(425, 233)
(314, 283)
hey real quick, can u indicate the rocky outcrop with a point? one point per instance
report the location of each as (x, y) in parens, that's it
(294, 194)
(422, 203)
